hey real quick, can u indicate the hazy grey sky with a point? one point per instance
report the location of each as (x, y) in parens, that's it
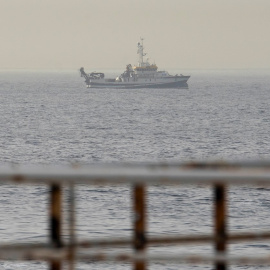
(104, 33)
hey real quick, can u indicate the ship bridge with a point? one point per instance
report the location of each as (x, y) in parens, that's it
(145, 68)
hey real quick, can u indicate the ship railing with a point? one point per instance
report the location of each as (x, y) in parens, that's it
(60, 249)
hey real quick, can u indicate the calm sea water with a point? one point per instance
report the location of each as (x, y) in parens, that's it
(52, 118)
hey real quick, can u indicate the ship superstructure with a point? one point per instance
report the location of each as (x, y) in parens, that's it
(143, 75)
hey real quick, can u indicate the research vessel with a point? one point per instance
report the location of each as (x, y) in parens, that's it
(143, 75)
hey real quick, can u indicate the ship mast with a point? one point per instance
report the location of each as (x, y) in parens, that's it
(141, 54)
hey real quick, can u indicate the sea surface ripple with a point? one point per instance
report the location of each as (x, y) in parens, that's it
(52, 118)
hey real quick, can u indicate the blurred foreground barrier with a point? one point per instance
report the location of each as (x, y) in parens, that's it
(218, 175)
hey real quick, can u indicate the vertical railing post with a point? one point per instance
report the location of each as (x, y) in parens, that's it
(55, 221)
(72, 240)
(220, 213)
(139, 223)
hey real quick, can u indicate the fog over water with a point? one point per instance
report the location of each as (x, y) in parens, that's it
(103, 34)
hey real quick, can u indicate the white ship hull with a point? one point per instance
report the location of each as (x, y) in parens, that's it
(170, 82)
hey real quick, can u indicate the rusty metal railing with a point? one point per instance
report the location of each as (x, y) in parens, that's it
(219, 175)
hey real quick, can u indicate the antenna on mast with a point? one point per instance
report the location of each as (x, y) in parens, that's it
(140, 52)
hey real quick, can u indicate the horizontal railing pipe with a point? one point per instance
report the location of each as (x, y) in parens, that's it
(63, 255)
(151, 240)
(134, 176)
